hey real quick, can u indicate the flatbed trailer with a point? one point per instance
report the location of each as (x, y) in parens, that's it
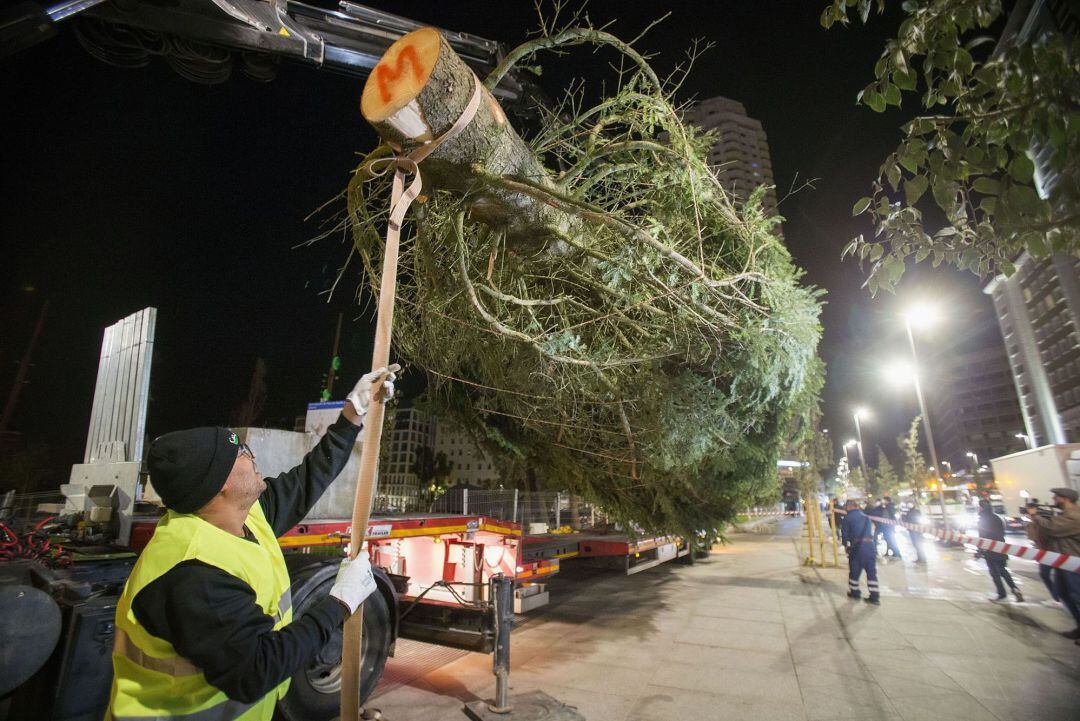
(628, 552)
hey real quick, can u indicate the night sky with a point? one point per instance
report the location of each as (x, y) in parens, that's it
(128, 188)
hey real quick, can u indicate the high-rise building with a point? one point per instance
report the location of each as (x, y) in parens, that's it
(1038, 308)
(740, 156)
(412, 430)
(469, 464)
(974, 408)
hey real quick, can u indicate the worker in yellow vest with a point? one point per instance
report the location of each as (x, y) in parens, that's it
(204, 627)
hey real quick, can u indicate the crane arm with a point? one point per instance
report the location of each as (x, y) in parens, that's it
(348, 40)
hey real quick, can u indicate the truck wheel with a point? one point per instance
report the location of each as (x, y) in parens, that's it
(316, 690)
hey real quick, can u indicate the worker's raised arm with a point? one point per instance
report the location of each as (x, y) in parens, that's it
(291, 495)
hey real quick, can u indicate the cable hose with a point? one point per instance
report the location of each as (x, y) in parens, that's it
(199, 62)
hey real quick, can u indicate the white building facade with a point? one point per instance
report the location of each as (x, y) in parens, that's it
(469, 464)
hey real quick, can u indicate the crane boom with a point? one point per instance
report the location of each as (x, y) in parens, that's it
(348, 40)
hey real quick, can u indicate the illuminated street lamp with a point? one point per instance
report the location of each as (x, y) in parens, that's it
(974, 461)
(847, 446)
(1026, 438)
(925, 315)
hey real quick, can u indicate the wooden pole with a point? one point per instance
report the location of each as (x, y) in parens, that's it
(821, 530)
(400, 198)
(352, 640)
(835, 544)
(808, 524)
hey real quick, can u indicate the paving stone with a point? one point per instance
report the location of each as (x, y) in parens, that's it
(1047, 709)
(589, 676)
(730, 638)
(742, 613)
(853, 700)
(954, 707)
(827, 676)
(755, 628)
(717, 657)
(418, 704)
(593, 705)
(738, 683)
(658, 702)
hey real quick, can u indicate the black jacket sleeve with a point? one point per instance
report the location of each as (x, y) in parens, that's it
(211, 619)
(289, 497)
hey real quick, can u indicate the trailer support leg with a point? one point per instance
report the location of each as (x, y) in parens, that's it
(502, 592)
(531, 706)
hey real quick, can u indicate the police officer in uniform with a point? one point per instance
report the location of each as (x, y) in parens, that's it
(862, 553)
(204, 627)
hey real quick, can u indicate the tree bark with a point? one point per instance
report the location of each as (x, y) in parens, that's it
(406, 117)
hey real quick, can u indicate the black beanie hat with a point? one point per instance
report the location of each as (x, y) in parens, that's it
(188, 468)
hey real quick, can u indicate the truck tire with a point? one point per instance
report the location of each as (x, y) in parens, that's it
(315, 691)
(30, 628)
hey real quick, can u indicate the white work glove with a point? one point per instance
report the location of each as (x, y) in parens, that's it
(354, 582)
(361, 394)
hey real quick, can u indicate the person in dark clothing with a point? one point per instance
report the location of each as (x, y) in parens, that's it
(874, 511)
(992, 527)
(888, 531)
(836, 516)
(1061, 533)
(914, 517)
(1046, 573)
(862, 554)
(209, 602)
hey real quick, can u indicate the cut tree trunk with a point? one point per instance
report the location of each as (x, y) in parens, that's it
(416, 93)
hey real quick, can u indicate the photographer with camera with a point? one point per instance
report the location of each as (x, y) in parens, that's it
(1046, 573)
(1060, 532)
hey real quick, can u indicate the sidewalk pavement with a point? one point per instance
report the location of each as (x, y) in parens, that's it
(751, 634)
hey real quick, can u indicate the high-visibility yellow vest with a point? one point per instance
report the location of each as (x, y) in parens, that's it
(151, 681)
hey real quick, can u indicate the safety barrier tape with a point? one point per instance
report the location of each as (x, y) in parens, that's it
(1030, 553)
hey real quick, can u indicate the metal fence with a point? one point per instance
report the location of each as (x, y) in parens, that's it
(555, 509)
(20, 510)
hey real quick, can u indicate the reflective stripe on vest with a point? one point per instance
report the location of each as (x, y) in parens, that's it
(284, 605)
(178, 666)
(228, 711)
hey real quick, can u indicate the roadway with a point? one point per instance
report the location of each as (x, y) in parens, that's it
(751, 633)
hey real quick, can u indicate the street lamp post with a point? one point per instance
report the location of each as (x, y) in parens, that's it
(859, 412)
(908, 317)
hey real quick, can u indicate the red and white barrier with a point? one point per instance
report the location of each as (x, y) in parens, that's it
(1047, 558)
